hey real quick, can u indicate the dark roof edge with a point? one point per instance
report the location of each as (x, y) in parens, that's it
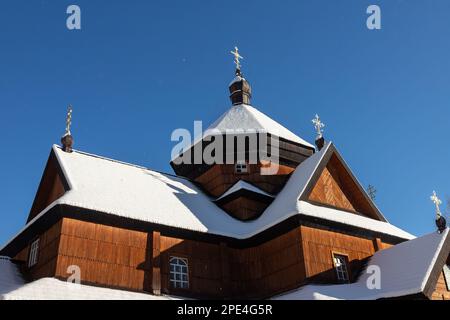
(59, 211)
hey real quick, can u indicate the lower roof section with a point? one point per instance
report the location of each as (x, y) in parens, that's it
(407, 269)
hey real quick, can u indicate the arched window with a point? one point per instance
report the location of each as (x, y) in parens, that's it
(179, 273)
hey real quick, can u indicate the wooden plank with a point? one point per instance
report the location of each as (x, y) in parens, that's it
(156, 263)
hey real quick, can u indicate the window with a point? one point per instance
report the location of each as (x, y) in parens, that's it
(34, 253)
(241, 167)
(340, 264)
(179, 273)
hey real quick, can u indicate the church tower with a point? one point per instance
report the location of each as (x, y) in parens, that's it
(253, 155)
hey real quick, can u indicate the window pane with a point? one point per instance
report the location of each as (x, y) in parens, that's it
(340, 263)
(179, 273)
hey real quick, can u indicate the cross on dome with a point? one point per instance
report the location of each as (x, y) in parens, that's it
(68, 120)
(434, 198)
(318, 125)
(237, 58)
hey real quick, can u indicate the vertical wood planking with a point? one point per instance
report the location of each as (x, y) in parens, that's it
(156, 263)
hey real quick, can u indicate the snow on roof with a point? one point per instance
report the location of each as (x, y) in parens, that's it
(138, 193)
(54, 289)
(404, 268)
(236, 79)
(243, 185)
(10, 277)
(247, 119)
(134, 192)
(13, 287)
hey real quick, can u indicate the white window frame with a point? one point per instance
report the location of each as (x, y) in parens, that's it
(341, 267)
(34, 253)
(241, 167)
(179, 273)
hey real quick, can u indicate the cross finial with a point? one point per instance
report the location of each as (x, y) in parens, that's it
(68, 120)
(372, 192)
(237, 58)
(437, 202)
(318, 125)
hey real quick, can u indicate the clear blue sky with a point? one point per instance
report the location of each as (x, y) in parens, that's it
(139, 69)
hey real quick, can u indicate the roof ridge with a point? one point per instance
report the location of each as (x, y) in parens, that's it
(84, 153)
(245, 187)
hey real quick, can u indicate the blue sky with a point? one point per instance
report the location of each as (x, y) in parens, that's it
(140, 69)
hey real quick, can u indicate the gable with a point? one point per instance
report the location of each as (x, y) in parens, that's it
(334, 185)
(329, 191)
(52, 186)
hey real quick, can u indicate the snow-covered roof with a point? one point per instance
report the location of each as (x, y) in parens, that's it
(236, 79)
(129, 191)
(243, 185)
(244, 118)
(10, 277)
(13, 287)
(405, 269)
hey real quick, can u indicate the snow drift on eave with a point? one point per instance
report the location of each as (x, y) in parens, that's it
(243, 185)
(13, 287)
(404, 268)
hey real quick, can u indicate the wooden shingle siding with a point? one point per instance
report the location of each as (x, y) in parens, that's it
(139, 261)
(441, 292)
(318, 246)
(328, 191)
(47, 255)
(107, 256)
(219, 178)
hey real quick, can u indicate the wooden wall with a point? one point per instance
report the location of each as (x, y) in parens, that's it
(328, 191)
(336, 188)
(270, 268)
(354, 194)
(220, 178)
(120, 258)
(107, 256)
(318, 246)
(50, 189)
(139, 261)
(205, 267)
(48, 253)
(245, 209)
(441, 292)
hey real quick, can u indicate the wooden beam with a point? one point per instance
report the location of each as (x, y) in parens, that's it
(156, 263)
(225, 265)
(377, 244)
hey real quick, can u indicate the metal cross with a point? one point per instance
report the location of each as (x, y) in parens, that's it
(68, 120)
(372, 192)
(318, 125)
(437, 202)
(237, 56)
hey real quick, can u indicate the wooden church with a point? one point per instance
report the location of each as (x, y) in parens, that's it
(249, 225)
